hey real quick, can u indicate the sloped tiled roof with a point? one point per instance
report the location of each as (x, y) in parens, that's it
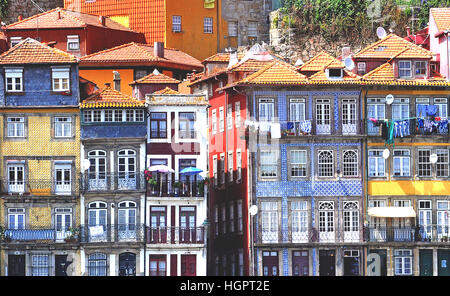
(276, 72)
(167, 91)
(63, 18)
(347, 78)
(168, 99)
(30, 51)
(221, 57)
(153, 78)
(110, 98)
(393, 46)
(141, 54)
(320, 61)
(441, 17)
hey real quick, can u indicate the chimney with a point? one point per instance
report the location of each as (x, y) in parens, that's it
(101, 20)
(408, 31)
(59, 14)
(116, 80)
(345, 52)
(20, 18)
(158, 49)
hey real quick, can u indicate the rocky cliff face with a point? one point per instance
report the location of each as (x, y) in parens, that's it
(27, 9)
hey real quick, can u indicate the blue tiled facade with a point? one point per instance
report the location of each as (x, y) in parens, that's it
(113, 130)
(311, 186)
(37, 87)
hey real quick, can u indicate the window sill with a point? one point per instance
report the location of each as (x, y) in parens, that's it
(15, 93)
(61, 92)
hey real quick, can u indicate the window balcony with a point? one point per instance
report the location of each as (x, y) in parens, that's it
(40, 234)
(429, 233)
(184, 188)
(112, 233)
(414, 129)
(112, 182)
(300, 236)
(176, 235)
(40, 187)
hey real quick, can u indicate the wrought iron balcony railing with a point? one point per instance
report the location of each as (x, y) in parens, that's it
(112, 181)
(183, 188)
(175, 235)
(414, 129)
(39, 234)
(428, 233)
(38, 187)
(112, 233)
(309, 236)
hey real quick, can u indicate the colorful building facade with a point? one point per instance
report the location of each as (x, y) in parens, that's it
(40, 161)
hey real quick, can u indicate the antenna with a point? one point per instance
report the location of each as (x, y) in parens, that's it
(381, 32)
(349, 64)
(389, 99)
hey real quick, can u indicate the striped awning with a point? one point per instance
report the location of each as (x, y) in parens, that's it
(392, 212)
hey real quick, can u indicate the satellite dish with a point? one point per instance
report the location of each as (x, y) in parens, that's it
(349, 64)
(299, 62)
(433, 158)
(85, 164)
(386, 153)
(253, 210)
(381, 32)
(389, 99)
(156, 72)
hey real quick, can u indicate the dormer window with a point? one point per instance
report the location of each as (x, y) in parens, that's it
(420, 68)
(404, 69)
(361, 68)
(334, 73)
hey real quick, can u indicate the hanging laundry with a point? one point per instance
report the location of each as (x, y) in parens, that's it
(384, 131)
(290, 125)
(264, 126)
(431, 110)
(305, 126)
(443, 126)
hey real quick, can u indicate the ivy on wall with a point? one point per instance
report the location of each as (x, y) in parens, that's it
(3, 9)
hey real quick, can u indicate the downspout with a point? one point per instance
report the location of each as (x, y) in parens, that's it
(218, 25)
(146, 193)
(366, 172)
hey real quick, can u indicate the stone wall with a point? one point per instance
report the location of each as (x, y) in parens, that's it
(27, 9)
(287, 43)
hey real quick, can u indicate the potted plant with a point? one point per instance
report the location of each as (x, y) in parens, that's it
(177, 186)
(4, 237)
(153, 184)
(74, 235)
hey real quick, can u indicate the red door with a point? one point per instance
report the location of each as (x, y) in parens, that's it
(158, 225)
(300, 263)
(188, 265)
(270, 263)
(187, 225)
(158, 265)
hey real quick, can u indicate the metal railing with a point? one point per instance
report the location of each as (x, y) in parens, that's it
(182, 188)
(373, 130)
(309, 236)
(112, 233)
(40, 233)
(175, 235)
(112, 181)
(38, 187)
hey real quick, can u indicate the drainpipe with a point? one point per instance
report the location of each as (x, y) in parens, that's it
(218, 25)
(366, 173)
(146, 193)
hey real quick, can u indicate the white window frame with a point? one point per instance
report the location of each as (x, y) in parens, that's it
(323, 166)
(323, 117)
(269, 221)
(16, 76)
(221, 119)
(361, 68)
(352, 165)
(401, 158)
(442, 163)
(272, 162)
(240, 221)
(298, 165)
(14, 41)
(400, 109)
(64, 184)
(297, 108)
(425, 68)
(40, 267)
(299, 221)
(232, 29)
(63, 124)
(403, 257)
(377, 157)
(12, 126)
(208, 25)
(176, 23)
(231, 217)
(238, 165)
(73, 40)
(237, 114)
(229, 116)
(424, 164)
(230, 161)
(222, 168)
(326, 221)
(214, 121)
(215, 173)
(266, 109)
(402, 66)
(61, 79)
(15, 213)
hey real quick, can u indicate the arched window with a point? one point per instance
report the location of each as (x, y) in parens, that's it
(350, 163)
(97, 169)
(325, 163)
(127, 220)
(127, 169)
(326, 220)
(97, 264)
(97, 221)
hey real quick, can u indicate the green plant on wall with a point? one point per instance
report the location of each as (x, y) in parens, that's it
(3, 9)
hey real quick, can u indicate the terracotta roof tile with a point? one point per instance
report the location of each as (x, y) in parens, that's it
(141, 54)
(167, 91)
(441, 17)
(63, 18)
(319, 62)
(169, 99)
(108, 98)
(348, 77)
(154, 78)
(30, 51)
(249, 65)
(393, 46)
(276, 72)
(221, 57)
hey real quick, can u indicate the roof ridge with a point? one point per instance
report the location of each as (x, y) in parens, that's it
(32, 17)
(72, 16)
(314, 58)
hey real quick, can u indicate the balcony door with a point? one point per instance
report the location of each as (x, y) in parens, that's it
(63, 178)
(126, 169)
(97, 170)
(349, 117)
(323, 117)
(326, 221)
(127, 264)
(351, 221)
(97, 215)
(425, 219)
(158, 216)
(187, 225)
(16, 178)
(188, 265)
(63, 223)
(402, 226)
(270, 264)
(127, 220)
